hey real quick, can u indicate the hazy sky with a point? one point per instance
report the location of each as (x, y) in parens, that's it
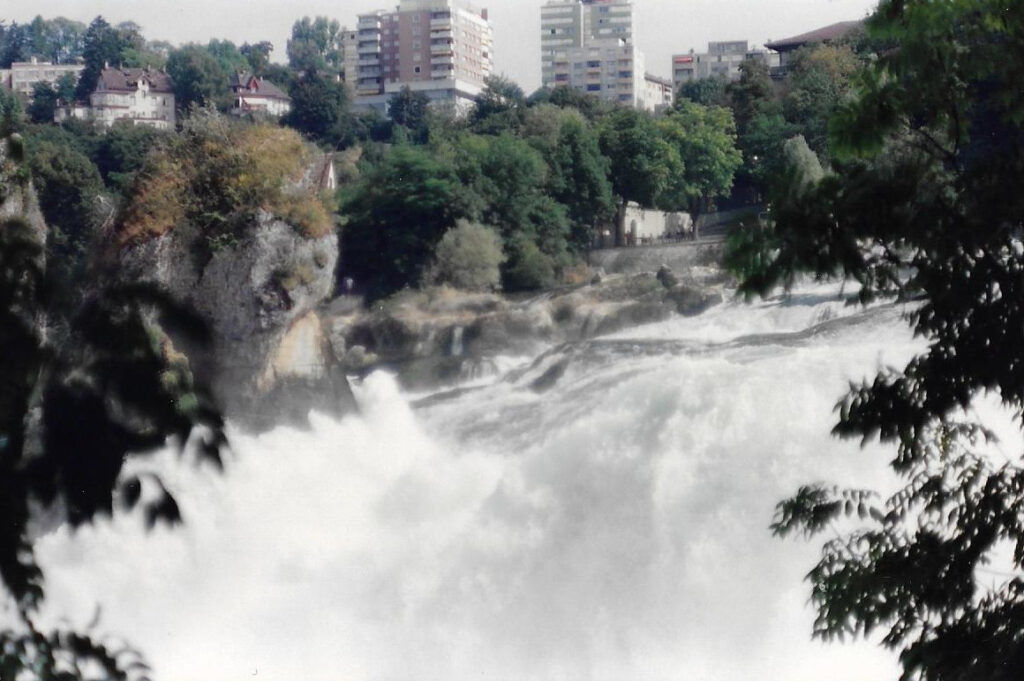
(663, 26)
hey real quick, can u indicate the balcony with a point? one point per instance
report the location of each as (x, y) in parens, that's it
(445, 23)
(369, 23)
(441, 48)
(368, 61)
(368, 48)
(438, 61)
(441, 34)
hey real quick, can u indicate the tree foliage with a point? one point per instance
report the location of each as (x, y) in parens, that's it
(83, 387)
(468, 257)
(320, 109)
(704, 138)
(200, 79)
(395, 217)
(315, 45)
(923, 202)
(102, 46)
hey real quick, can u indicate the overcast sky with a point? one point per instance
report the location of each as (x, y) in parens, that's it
(663, 26)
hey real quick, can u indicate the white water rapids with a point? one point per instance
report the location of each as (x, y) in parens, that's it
(612, 527)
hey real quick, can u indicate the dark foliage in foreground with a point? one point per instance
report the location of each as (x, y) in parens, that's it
(924, 202)
(84, 385)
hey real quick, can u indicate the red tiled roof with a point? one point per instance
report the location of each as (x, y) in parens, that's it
(127, 80)
(251, 86)
(820, 35)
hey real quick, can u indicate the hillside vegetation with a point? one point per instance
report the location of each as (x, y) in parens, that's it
(215, 176)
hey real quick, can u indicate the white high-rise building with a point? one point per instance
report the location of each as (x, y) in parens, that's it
(588, 45)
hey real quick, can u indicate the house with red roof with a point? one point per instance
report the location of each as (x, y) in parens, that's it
(256, 95)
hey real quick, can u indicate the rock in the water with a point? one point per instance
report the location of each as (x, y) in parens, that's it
(691, 301)
(667, 277)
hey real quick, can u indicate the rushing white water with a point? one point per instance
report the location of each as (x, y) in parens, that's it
(612, 526)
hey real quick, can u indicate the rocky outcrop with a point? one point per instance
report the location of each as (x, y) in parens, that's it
(272, 359)
(437, 337)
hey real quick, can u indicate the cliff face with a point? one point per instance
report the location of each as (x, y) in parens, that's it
(272, 359)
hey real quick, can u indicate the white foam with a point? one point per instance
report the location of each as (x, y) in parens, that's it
(615, 527)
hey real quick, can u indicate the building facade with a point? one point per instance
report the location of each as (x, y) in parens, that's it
(258, 96)
(23, 75)
(442, 48)
(659, 93)
(130, 96)
(588, 45)
(784, 49)
(722, 60)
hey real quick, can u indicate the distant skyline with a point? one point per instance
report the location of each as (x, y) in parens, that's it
(663, 27)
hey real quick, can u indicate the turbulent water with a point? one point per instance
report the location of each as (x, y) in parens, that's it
(599, 512)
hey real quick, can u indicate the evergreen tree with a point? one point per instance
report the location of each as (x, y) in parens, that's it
(102, 46)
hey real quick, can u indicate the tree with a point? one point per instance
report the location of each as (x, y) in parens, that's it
(83, 389)
(15, 45)
(704, 138)
(818, 78)
(587, 104)
(409, 110)
(68, 186)
(199, 79)
(505, 178)
(707, 91)
(65, 40)
(315, 45)
(122, 151)
(395, 217)
(499, 107)
(44, 103)
(102, 45)
(579, 181)
(641, 162)
(320, 109)
(258, 56)
(923, 202)
(468, 257)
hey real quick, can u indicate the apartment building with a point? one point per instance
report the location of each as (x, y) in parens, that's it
(442, 48)
(588, 45)
(659, 93)
(23, 75)
(722, 60)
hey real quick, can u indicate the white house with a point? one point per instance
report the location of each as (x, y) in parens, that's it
(256, 95)
(135, 96)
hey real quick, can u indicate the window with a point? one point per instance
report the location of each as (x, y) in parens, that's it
(415, 69)
(593, 87)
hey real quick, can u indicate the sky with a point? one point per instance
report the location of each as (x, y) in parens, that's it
(663, 27)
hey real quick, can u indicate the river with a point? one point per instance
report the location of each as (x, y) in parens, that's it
(607, 522)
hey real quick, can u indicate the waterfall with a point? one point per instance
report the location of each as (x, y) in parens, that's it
(457, 349)
(613, 525)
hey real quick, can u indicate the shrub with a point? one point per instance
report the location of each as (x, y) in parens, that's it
(528, 268)
(468, 257)
(216, 175)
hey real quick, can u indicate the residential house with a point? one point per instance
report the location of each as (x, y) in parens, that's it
(259, 96)
(133, 96)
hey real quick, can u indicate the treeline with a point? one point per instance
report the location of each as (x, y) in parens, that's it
(530, 180)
